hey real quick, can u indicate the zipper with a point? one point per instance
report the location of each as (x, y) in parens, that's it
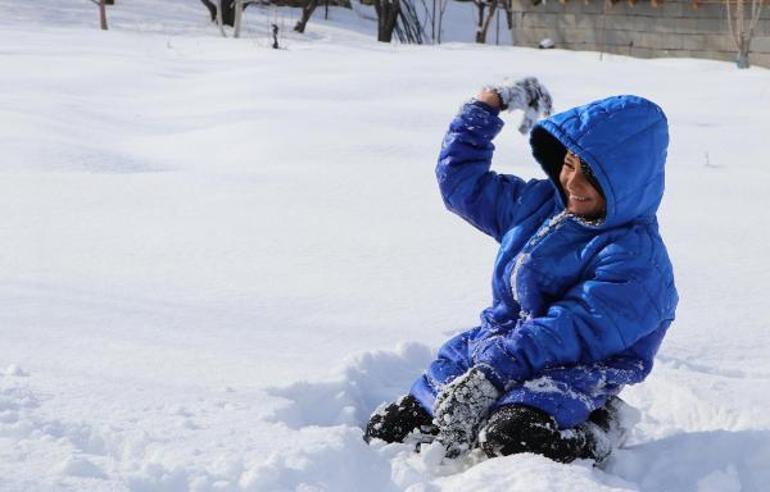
(547, 228)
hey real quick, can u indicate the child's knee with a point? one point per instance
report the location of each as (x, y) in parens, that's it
(457, 348)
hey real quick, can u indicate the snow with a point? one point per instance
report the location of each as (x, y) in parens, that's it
(217, 259)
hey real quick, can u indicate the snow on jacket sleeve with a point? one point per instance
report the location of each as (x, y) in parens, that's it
(489, 201)
(623, 299)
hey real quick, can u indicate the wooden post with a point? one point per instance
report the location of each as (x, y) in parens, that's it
(275, 36)
(102, 15)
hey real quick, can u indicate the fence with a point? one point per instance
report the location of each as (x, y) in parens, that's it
(672, 29)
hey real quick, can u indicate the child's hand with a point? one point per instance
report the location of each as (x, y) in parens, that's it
(528, 95)
(459, 409)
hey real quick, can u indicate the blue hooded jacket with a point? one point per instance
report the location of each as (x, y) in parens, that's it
(579, 308)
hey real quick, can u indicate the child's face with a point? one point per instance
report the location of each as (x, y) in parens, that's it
(583, 199)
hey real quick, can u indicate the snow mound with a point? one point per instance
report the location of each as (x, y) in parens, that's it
(532, 473)
(720, 481)
(364, 382)
(190, 218)
(717, 460)
(329, 459)
(328, 416)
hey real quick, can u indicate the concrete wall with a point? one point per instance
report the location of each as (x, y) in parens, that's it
(673, 29)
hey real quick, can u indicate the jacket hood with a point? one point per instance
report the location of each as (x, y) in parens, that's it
(624, 139)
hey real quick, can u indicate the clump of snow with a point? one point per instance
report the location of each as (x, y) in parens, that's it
(720, 481)
(15, 370)
(363, 383)
(80, 467)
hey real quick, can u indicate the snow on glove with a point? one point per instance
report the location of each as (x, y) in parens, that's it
(460, 408)
(528, 95)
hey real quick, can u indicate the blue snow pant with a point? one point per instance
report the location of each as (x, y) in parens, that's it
(567, 393)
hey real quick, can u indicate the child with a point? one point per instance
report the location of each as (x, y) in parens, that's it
(582, 288)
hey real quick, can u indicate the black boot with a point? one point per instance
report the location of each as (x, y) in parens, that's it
(516, 429)
(520, 429)
(397, 420)
(609, 426)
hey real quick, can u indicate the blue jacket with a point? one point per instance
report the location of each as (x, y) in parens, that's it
(589, 303)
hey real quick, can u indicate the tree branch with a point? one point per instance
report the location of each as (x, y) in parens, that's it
(212, 9)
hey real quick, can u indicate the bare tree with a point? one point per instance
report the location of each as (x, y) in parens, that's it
(220, 23)
(481, 6)
(437, 19)
(238, 17)
(212, 9)
(603, 27)
(440, 21)
(226, 9)
(483, 24)
(408, 25)
(484, 20)
(507, 6)
(435, 16)
(307, 11)
(741, 28)
(387, 16)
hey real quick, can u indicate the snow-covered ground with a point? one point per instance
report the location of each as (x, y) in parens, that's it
(217, 258)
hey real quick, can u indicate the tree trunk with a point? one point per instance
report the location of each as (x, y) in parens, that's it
(742, 60)
(212, 9)
(387, 15)
(742, 33)
(433, 23)
(307, 12)
(220, 24)
(484, 21)
(228, 12)
(442, 8)
(487, 22)
(102, 15)
(238, 18)
(480, 19)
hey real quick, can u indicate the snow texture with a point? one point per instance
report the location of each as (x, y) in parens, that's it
(460, 408)
(217, 259)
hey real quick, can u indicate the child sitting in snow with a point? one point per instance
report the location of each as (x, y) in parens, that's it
(582, 287)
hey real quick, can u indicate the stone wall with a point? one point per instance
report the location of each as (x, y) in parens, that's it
(673, 29)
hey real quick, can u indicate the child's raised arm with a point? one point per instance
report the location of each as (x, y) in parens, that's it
(489, 201)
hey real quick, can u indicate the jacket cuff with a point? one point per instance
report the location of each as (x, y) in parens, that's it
(477, 124)
(492, 376)
(484, 106)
